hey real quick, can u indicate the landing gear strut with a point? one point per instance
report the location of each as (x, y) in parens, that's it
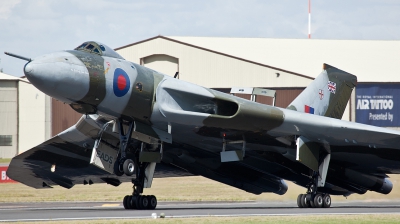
(318, 164)
(130, 166)
(313, 199)
(122, 164)
(137, 200)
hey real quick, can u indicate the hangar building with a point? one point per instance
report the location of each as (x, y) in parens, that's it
(28, 117)
(24, 116)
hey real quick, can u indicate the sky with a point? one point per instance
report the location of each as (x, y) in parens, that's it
(32, 28)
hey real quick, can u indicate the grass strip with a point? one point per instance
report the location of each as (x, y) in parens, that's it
(302, 219)
(167, 189)
(3, 160)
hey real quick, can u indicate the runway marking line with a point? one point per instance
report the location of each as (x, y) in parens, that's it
(109, 205)
(185, 216)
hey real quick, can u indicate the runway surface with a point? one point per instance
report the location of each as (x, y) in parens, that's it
(100, 210)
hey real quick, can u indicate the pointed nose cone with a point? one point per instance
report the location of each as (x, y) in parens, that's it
(59, 75)
(28, 69)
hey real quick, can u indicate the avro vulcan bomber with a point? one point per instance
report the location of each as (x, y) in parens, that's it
(138, 123)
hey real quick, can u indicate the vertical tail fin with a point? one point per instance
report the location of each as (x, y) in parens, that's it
(327, 95)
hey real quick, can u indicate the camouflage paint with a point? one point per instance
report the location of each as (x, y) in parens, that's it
(320, 99)
(345, 84)
(250, 116)
(97, 89)
(142, 98)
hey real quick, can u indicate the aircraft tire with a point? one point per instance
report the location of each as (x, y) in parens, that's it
(132, 202)
(152, 202)
(118, 169)
(129, 167)
(318, 201)
(299, 204)
(307, 201)
(129, 202)
(304, 201)
(144, 202)
(137, 202)
(125, 202)
(311, 201)
(327, 201)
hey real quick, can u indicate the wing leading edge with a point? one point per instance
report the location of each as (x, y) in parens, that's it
(65, 159)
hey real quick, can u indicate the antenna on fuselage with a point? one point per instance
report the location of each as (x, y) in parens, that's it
(176, 74)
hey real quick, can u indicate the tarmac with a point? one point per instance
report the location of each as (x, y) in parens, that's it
(56, 211)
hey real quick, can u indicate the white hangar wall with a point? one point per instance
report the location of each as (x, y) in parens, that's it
(24, 116)
(209, 68)
(369, 60)
(8, 118)
(34, 117)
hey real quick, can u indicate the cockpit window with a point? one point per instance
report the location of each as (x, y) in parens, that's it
(98, 48)
(82, 46)
(90, 47)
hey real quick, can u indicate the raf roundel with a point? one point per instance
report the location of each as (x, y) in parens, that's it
(121, 82)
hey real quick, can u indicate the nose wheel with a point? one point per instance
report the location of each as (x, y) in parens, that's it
(124, 166)
(128, 167)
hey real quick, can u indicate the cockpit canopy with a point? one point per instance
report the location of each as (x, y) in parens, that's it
(99, 49)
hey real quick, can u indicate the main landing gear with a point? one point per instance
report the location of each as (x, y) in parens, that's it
(130, 166)
(137, 200)
(140, 202)
(318, 164)
(313, 199)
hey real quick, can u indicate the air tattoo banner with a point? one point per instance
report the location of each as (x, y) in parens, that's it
(378, 104)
